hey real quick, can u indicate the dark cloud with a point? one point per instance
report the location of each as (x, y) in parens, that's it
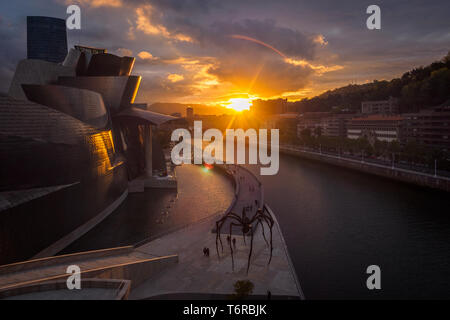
(263, 77)
(413, 33)
(291, 42)
(164, 89)
(181, 6)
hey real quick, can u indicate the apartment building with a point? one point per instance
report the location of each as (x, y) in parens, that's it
(375, 127)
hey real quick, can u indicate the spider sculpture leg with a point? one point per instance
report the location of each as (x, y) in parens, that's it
(262, 230)
(218, 237)
(262, 217)
(231, 246)
(268, 219)
(270, 222)
(251, 249)
(219, 225)
(221, 222)
(243, 221)
(271, 246)
(257, 213)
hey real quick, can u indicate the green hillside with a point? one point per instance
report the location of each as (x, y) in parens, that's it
(416, 89)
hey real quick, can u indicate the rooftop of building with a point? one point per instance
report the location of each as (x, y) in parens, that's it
(45, 18)
(379, 117)
(90, 48)
(315, 114)
(390, 99)
(287, 115)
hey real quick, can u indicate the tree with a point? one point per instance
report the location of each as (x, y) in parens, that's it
(380, 147)
(416, 89)
(361, 143)
(394, 146)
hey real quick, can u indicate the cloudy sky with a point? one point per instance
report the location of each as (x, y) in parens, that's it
(207, 51)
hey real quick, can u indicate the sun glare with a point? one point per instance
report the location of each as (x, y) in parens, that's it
(239, 104)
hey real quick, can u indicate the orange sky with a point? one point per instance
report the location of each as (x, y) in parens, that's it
(212, 51)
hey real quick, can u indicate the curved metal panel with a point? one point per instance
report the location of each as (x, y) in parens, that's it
(117, 92)
(36, 72)
(106, 64)
(77, 59)
(131, 90)
(30, 120)
(147, 116)
(82, 104)
(41, 147)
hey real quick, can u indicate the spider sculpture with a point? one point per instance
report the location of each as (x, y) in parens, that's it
(247, 224)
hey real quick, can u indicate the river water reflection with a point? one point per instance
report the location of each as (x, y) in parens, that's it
(156, 211)
(337, 222)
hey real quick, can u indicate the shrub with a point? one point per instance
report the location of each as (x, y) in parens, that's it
(242, 289)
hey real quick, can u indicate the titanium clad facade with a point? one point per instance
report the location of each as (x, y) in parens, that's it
(57, 174)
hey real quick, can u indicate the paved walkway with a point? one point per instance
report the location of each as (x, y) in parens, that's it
(196, 273)
(249, 196)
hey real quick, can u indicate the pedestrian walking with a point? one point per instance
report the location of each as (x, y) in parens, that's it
(234, 243)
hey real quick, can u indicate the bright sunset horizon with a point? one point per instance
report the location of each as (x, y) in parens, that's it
(212, 52)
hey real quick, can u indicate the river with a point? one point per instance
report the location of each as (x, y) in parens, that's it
(337, 222)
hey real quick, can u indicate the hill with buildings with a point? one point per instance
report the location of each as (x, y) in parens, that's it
(417, 89)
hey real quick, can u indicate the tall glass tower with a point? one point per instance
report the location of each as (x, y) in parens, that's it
(46, 38)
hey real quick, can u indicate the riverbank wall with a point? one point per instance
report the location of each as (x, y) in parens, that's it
(398, 174)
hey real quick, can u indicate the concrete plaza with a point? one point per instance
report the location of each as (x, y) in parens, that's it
(196, 273)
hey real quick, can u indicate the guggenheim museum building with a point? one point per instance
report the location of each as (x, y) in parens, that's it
(71, 141)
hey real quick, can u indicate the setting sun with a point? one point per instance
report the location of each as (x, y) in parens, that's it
(239, 104)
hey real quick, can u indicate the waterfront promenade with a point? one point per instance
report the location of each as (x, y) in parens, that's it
(196, 274)
(369, 166)
(174, 263)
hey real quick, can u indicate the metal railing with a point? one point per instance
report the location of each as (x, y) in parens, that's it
(371, 161)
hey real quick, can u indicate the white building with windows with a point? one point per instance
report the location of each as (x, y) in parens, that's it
(375, 127)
